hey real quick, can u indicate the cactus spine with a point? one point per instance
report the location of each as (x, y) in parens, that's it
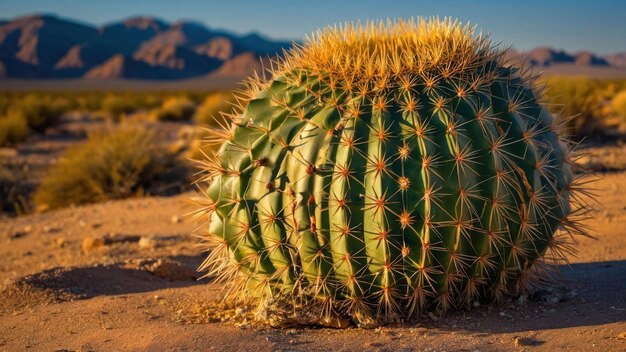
(386, 170)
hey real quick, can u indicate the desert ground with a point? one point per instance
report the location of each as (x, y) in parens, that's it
(121, 276)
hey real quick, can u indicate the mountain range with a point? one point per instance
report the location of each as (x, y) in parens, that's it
(47, 46)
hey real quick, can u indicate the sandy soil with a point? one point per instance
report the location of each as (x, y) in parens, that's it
(121, 276)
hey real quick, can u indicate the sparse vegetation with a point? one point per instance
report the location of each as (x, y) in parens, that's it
(41, 112)
(123, 163)
(117, 106)
(13, 129)
(13, 189)
(618, 105)
(587, 100)
(175, 109)
(212, 106)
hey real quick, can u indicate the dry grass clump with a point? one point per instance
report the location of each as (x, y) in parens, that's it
(175, 109)
(618, 104)
(123, 163)
(212, 106)
(32, 112)
(116, 106)
(13, 129)
(40, 112)
(13, 188)
(588, 100)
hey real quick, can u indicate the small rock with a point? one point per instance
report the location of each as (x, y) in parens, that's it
(147, 242)
(169, 269)
(543, 296)
(622, 336)
(337, 323)
(18, 234)
(175, 219)
(86, 348)
(27, 229)
(59, 242)
(50, 229)
(91, 244)
(526, 341)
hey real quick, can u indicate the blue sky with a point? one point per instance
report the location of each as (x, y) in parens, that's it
(598, 25)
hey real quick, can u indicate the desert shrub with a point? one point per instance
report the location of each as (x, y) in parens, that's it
(584, 98)
(175, 109)
(116, 106)
(5, 103)
(13, 188)
(618, 104)
(211, 107)
(89, 102)
(41, 112)
(13, 129)
(123, 163)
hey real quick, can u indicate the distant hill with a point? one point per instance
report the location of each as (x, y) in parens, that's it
(617, 59)
(50, 47)
(46, 46)
(546, 57)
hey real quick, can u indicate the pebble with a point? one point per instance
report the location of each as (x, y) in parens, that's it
(18, 234)
(169, 269)
(147, 242)
(59, 242)
(91, 244)
(175, 219)
(51, 229)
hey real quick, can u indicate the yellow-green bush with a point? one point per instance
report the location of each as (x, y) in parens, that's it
(116, 106)
(13, 129)
(41, 112)
(212, 105)
(175, 109)
(584, 98)
(123, 163)
(618, 104)
(13, 188)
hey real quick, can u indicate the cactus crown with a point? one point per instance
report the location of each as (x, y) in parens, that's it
(387, 50)
(388, 169)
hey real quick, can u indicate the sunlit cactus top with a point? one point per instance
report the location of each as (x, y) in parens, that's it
(388, 169)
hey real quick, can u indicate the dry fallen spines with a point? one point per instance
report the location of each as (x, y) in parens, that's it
(395, 189)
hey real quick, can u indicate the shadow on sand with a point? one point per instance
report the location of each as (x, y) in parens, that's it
(71, 283)
(585, 294)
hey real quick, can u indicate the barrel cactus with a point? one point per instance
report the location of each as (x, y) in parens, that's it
(388, 169)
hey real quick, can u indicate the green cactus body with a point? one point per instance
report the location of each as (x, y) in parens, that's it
(378, 191)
